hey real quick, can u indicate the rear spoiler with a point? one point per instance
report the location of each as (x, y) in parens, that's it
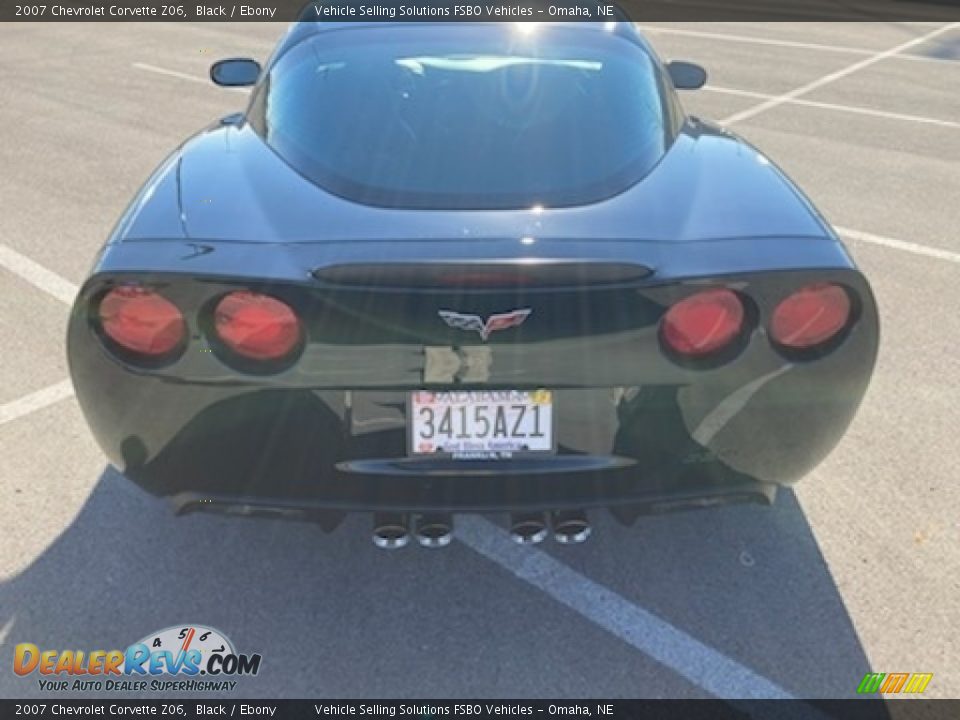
(481, 275)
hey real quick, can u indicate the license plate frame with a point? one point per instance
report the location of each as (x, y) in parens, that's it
(471, 448)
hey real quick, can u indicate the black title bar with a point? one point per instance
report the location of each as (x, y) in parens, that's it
(446, 10)
(188, 709)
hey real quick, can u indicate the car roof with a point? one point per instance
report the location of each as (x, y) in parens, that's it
(306, 27)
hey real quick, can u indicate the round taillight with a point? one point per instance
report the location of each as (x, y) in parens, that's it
(703, 323)
(141, 321)
(257, 326)
(810, 317)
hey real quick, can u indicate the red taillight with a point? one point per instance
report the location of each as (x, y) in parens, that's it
(141, 321)
(257, 326)
(810, 316)
(703, 323)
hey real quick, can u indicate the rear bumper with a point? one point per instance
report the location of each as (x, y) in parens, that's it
(634, 430)
(294, 452)
(280, 450)
(625, 502)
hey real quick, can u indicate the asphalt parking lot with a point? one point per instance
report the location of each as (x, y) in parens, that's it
(858, 569)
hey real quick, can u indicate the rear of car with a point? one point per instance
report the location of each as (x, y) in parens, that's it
(465, 269)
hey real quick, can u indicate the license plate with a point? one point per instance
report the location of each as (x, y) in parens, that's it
(481, 425)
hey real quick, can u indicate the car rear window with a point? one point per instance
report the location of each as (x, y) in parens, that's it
(475, 117)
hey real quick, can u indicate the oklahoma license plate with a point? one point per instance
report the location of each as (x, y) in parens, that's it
(481, 425)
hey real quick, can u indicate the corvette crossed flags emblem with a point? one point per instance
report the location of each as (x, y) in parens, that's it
(501, 321)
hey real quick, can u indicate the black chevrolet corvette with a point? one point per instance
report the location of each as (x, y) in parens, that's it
(439, 268)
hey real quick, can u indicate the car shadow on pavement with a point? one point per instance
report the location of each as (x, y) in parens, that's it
(333, 616)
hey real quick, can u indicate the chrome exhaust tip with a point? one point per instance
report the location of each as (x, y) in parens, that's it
(391, 530)
(570, 527)
(528, 528)
(434, 531)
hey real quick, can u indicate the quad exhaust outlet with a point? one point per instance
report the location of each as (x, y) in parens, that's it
(391, 530)
(570, 527)
(528, 528)
(434, 530)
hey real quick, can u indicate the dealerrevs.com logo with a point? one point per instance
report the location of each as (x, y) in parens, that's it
(179, 658)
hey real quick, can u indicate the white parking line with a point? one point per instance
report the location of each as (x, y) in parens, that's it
(833, 106)
(834, 76)
(700, 664)
(5, 630)
(183, 76)
(903, 245)
(37, 275)
(57, 287)
(35, 401)
(750, 39)
(171, 73)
